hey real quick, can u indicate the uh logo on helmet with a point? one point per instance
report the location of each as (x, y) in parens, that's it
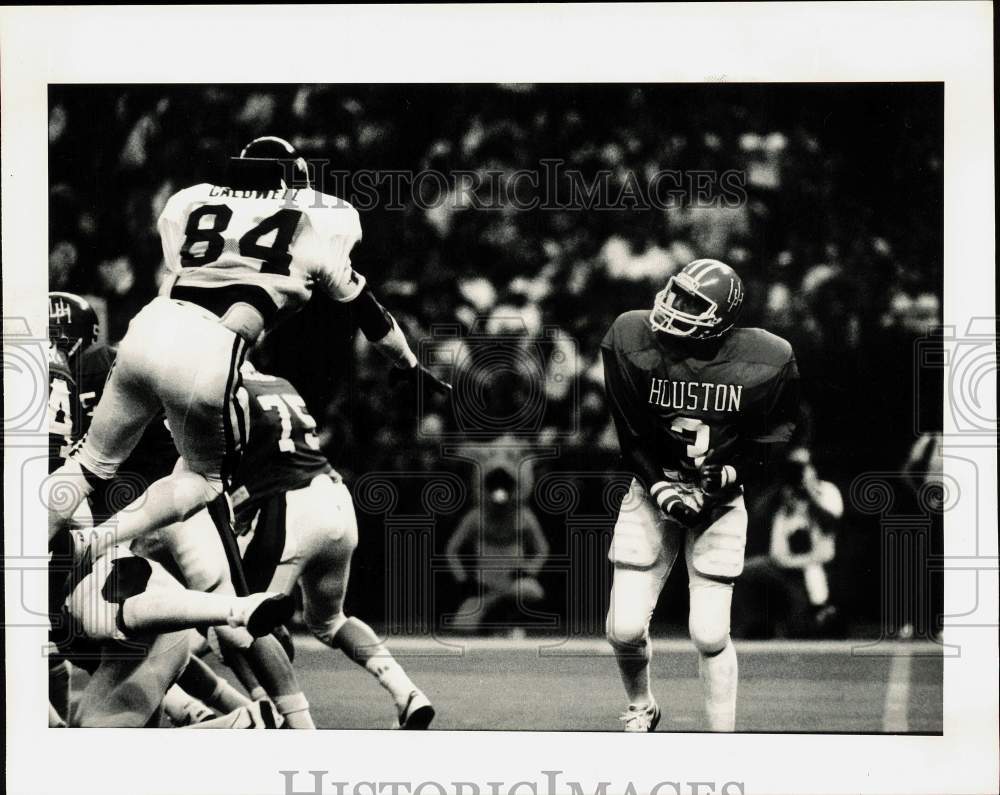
(73, 323)
(702, 301)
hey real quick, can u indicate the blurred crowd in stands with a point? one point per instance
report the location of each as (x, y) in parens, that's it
(826, 198)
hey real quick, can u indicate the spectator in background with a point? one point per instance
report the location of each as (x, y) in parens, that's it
(789, 587)
(496, 552)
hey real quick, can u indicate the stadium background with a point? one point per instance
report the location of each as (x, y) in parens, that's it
(839, 242)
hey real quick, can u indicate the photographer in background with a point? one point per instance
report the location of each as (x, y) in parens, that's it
(788, 588)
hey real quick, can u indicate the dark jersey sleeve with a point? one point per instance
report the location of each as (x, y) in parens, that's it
(765, 442)
(782, 413)
(630, 419)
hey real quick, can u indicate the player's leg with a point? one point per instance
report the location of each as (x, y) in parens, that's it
(128, 686)
(197, 550)
(256, 715)
(714, 559)
(187, 363)
(126, 407)
(183, 709)
(59, 680)
(643, 550)
(125, 596)
(203, 683)
(322, 519)
(56, 720)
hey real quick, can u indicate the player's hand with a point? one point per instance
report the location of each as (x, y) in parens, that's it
(682, 512)
(420, 378)
(673, 506)
(716, 477)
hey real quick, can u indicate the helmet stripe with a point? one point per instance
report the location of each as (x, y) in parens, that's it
(273, 139)
(707, 270)
(696, 266)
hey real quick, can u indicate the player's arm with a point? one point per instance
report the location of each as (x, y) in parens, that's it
(631, 425)
(381, 329)
(172, 239)
(344, 284)
(765, 445)
(635, 433)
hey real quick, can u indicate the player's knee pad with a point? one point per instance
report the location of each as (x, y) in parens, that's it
(624, 631)
(709, 628)
(331, 501)
(718, 551)
(638, 532)
(185, 493)
(326, 631)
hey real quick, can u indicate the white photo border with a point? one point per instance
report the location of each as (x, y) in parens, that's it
(767, 42)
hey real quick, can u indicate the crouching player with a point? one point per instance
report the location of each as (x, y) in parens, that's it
(297, 524)
(699, 406)
(125, 621)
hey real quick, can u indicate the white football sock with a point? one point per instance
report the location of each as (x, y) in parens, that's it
(719, 674)
(183, 709)
(633, 665)
(360, 643)
(294, 708)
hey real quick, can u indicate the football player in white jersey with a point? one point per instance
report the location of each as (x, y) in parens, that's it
(297, 525)
(239, 255)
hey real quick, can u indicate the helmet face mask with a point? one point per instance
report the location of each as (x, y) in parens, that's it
(701, 302)
(73, 325)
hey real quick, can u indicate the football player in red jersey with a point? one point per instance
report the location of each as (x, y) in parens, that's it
(700, 406)
(297, 524)
(72, 329)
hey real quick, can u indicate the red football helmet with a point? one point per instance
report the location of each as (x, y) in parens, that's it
(701, 301)
(73, 325)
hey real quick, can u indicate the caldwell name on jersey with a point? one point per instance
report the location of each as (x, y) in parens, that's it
(264, 248)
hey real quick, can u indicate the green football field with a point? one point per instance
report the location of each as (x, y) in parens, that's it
(531, 684)
(548, 685)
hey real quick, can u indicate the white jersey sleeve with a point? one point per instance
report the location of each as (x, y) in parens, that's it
(339, 229)
(268, 248)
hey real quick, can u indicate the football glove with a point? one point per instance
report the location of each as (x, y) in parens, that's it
(419, 378)
(716, 477)
(668, 497)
